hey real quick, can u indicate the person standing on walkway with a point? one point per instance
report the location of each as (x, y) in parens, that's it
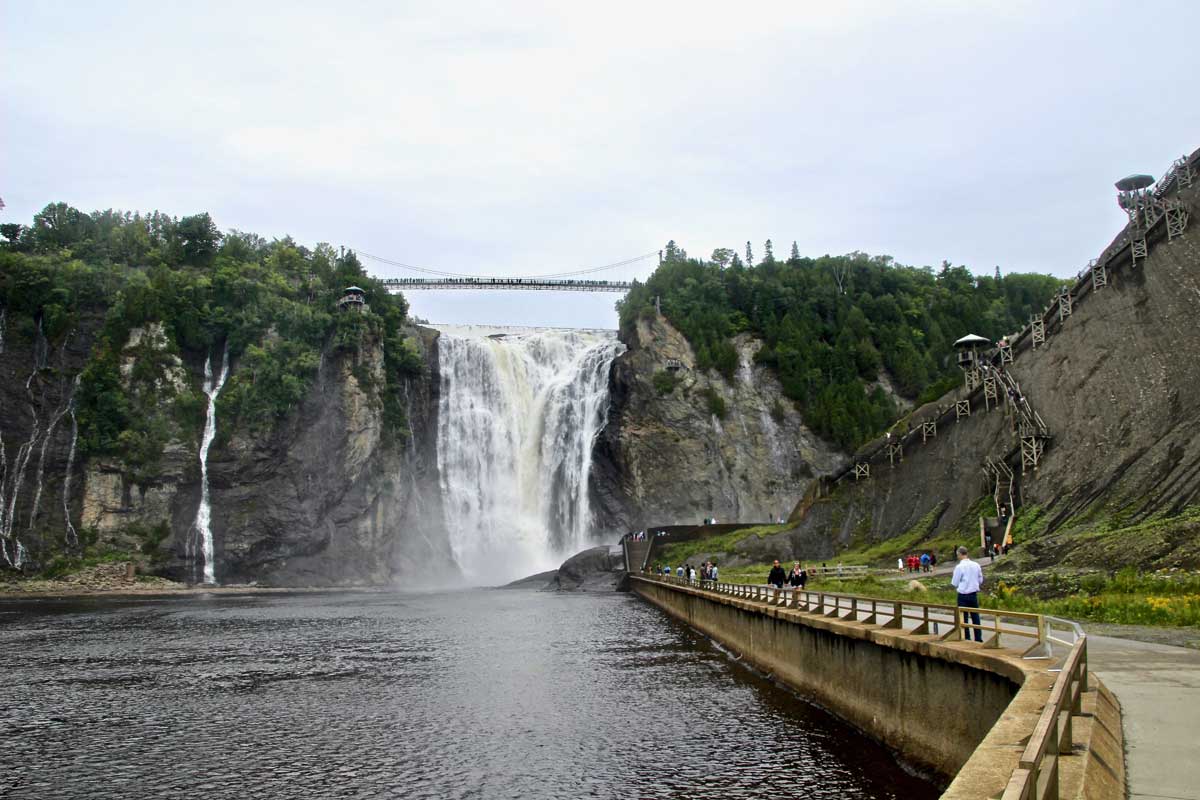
(777, 576)
(795, 580)
(967, 581)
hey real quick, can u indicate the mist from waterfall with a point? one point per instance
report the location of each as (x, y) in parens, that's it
(202, 530)
(518, 413)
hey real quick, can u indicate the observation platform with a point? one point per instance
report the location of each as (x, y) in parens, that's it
(396, 285)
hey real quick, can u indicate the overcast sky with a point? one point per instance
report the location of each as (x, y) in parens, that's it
(521, 138)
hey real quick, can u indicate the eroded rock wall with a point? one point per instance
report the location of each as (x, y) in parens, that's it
(666, 458)
(39, 476)
(327, 498)
(324, 498)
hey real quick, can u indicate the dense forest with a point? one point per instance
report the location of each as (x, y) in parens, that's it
(832, 325)
(194, 291)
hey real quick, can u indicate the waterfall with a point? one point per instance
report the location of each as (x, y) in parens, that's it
(203, 526)
(72, 535)
(41, 465)
(518, 414)
(8, 512)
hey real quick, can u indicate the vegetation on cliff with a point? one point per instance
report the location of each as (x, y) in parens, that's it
(189, 291)
(832, 325)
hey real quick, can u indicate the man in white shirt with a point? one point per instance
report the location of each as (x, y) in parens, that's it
(967, 581)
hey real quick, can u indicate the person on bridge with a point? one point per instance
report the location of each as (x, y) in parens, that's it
(967, 580)
(777, 576)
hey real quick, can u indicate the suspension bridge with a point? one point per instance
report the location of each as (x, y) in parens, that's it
(572, 281)
(395, 285)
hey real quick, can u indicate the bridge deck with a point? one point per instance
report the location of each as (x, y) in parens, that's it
(518, 284)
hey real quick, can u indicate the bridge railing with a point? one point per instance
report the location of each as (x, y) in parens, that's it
(1036, 776)
(530, 284)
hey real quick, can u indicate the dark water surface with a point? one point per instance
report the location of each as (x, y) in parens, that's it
(482, 694)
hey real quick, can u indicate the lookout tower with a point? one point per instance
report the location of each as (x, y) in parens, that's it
(354, 298)
(1136, 199)
(970, 349)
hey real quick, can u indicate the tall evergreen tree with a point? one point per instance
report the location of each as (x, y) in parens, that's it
(749, 255)
(770, 250)
(795, 252)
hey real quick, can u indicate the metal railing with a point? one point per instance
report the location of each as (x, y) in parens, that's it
(1036, 776)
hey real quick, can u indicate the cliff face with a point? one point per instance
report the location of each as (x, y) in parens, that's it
(668, 457)
(1115, 383)
(39, 473)
(324, 498)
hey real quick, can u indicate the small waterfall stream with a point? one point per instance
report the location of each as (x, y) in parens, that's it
(518, 414)
(11, 549)
(203, 526)
(72, 535)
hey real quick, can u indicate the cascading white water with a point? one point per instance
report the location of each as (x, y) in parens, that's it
(518, 414)
(11, 549)
(72, 535)
(203, 527)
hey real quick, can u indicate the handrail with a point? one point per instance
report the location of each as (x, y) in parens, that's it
(1036, 776)
(927, 618)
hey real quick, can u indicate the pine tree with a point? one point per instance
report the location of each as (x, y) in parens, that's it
(795, 252)
(749, 255)
(770, 256)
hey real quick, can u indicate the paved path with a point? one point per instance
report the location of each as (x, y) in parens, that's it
(1159, 690)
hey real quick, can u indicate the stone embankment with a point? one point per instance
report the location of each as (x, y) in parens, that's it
(960, 711)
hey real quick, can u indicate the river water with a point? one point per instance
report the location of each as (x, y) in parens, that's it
(479, 694)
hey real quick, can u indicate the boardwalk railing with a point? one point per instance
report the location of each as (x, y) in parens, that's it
(1036, 777)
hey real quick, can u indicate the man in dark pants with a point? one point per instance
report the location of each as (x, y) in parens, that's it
(967, 581)
(777, 576)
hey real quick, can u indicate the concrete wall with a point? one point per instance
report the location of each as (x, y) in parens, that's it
(932, 702)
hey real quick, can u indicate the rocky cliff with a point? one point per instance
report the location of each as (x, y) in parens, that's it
(1115, 384)
(40, 476)
(325, 497)
(682, 445)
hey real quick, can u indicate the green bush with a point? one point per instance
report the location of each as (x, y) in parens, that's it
(715, 403)
(664, 382)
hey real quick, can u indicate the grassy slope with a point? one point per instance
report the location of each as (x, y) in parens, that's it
(683, 552)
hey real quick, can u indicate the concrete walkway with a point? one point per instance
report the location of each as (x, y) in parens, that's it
(1159, 690)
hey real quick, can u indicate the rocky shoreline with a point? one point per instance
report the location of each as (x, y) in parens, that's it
(116, 580)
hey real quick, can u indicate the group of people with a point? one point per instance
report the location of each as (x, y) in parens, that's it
(707, 572)
(917, 563)
(797, 578)
(994, 548)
